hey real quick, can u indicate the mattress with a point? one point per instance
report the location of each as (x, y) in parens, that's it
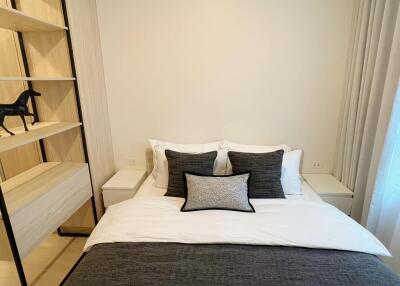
(300, 220)
(149, 190)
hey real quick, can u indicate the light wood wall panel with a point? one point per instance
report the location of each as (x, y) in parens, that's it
(5, 250)
(82, 16)
(47, 10)
(58, 103)
(47, 54)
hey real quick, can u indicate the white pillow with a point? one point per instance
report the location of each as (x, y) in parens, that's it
(230, 146)
(290, 178)
(160, 170)
(255, 148)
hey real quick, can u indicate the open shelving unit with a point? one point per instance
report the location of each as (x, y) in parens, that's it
(39, 200)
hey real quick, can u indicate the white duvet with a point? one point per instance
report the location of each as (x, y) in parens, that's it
(290, 222)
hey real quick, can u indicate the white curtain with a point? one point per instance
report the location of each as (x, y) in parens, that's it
(381, 211)
(384, 211)
(374, 26)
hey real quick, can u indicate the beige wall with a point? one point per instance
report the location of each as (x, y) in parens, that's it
(252, 71)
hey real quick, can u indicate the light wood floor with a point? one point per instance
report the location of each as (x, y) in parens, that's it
(48, 264)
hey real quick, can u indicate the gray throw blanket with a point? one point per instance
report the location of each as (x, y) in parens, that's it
(226, 264)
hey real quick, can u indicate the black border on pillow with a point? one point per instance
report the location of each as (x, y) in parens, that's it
(217, 176)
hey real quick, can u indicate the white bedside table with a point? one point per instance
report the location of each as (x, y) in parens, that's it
(331, 191)
(122, 186)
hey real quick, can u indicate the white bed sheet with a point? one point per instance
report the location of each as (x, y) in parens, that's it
(302, 221)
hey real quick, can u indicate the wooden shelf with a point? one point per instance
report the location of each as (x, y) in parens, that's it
(18, 21)
(42, 198)
(36, 132)
(35, 78)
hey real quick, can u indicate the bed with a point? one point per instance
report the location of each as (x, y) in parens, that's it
(297, 241)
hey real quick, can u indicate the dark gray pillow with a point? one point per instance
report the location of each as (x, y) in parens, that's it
(178, 163)
(217, 193)
(265, 168)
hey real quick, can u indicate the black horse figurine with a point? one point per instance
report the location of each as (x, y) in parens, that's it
(18, 108)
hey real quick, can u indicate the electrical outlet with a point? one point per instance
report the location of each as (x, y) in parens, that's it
(317, 165)
(131, 161)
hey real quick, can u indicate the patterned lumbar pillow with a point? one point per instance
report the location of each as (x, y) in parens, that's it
(217, 193)
(265, 168)
(178, 163)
